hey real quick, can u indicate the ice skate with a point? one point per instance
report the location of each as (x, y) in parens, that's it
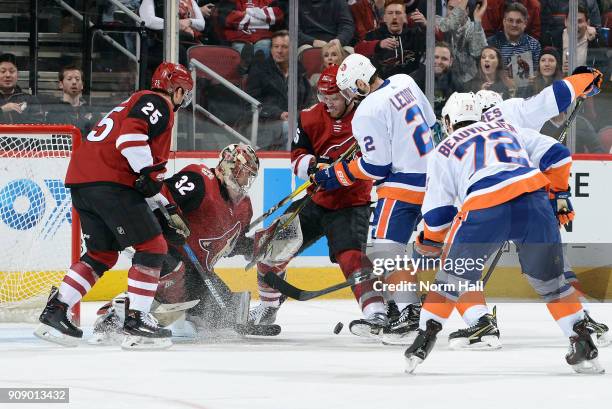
(142, 331)
(582, 354)
(601, 331)
(482, 335)
(261, 321)
(55, 325)
(422, 345)
(370, 327)
(402, 325)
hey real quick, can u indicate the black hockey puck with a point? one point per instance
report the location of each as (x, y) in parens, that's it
(338, 328)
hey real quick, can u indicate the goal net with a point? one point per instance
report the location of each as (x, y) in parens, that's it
(36, 220)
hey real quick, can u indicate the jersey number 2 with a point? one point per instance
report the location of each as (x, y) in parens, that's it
(413, 114)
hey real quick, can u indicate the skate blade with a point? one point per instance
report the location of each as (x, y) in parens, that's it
(589, 367)
(50, 334)
(363, 330)
(489, 342)
(395, 339)
(603, 340)
(138, 343)
(412, 362)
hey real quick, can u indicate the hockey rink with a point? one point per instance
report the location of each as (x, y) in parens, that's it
(307, 366)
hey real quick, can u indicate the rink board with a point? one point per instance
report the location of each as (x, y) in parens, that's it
(590, 187)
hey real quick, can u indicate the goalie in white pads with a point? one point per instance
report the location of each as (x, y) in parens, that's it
(500, 175)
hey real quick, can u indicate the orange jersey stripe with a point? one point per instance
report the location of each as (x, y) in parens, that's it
(353, 167)
(383, 222)
(435, 235)
(404, 195)
(579, 82)
(559, 177)
(506, 193)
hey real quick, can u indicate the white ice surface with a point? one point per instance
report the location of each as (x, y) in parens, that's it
(307, 366)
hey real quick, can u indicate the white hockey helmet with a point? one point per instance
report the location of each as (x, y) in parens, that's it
(487, 99)
(460, 107)
(354, 67)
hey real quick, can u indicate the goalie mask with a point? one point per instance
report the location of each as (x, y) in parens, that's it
(239, 165)
(461, 109)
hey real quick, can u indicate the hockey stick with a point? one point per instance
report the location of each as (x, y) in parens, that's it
(352, 149)
(493, 264)
(290, 291)
(570, 119)
(194, 260)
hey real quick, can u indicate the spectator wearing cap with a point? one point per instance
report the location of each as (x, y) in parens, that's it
(492, 21)
(16, 106)
(71, 108)
(324, 21)
(398, 48)
(444, 81)
(466, 37)
(268, 83)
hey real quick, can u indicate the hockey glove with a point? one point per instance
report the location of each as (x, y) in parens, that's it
(594, 87)
(151, 179)
(175, 230)
(272, 246)
(560, 202)
(333, 177)
(428, 249)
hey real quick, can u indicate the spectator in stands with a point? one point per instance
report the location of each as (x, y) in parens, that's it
(491, 74)
(364, 14)
(324, 21)
(590, 49)
(466, 37)
(267, 83)
(553, 19)
(331, 53)
(71, 108)
(444, 82)
(549, 70)
(16, 106)
(248, 28)
(492, 21)
(513, 41)
(191, 24)
(398, 48)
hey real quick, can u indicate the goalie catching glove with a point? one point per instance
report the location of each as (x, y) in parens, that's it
(333, 177)
(151, 179)
(274, 245)
(560, 202)
(175, 229)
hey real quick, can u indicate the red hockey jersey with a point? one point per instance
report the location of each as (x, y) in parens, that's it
(324, 138)
(135, 134)
(216, 223)
(251, 20)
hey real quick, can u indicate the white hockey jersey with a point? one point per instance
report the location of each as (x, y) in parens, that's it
(486, 164)
(392, 126)
(533, 112)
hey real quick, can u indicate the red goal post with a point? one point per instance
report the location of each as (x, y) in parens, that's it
(39, 230)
